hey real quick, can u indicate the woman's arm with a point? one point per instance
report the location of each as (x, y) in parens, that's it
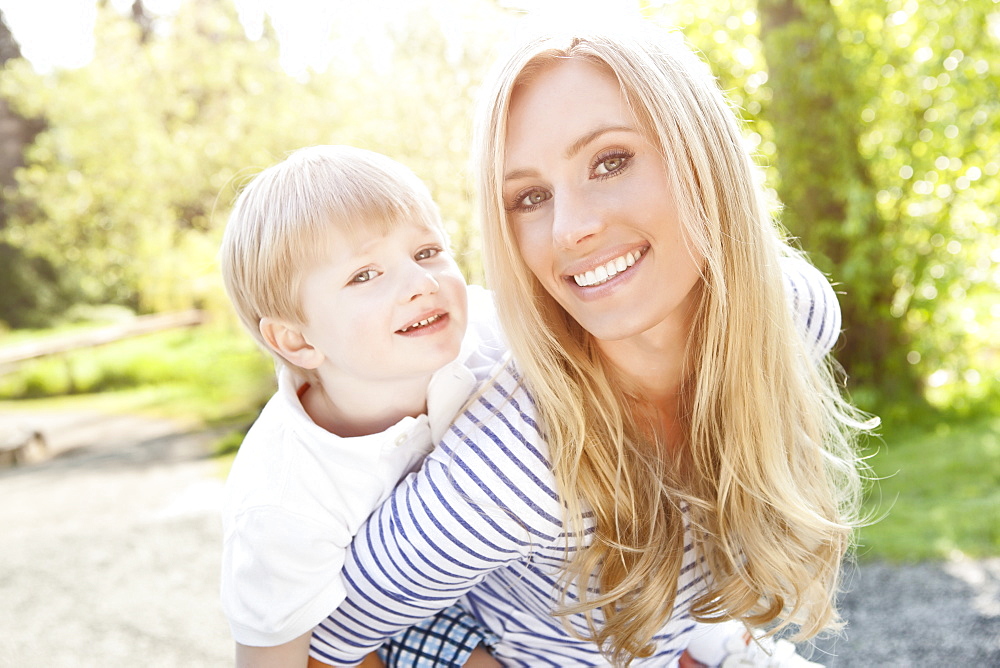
(483, 499)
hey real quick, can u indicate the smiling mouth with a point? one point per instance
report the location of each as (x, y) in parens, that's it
(609, 270)
(420, 324)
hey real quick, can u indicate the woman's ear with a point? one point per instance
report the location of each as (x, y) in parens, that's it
(288, 341)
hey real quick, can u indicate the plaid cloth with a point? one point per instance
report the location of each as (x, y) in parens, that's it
(447, 639)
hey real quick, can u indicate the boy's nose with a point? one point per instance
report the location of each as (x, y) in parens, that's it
(422, 282)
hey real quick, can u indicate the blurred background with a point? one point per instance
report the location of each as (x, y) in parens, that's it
(127, 128)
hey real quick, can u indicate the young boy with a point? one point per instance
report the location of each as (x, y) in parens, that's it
(336, 262)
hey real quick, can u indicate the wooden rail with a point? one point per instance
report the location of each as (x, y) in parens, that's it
(144, 324)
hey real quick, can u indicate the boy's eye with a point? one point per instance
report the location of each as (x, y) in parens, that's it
(426, 253)
(364, 276)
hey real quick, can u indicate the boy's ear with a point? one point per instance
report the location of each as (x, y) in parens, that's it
(289, 342)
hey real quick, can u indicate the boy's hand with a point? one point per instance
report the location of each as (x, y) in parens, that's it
(688, 661)
(481, 658)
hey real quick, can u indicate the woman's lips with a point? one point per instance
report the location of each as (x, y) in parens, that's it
(609, 269)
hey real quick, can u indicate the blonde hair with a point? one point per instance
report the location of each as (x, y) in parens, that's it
(767, 476)
(280, 225)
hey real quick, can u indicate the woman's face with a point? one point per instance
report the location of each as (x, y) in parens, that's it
(588, 199)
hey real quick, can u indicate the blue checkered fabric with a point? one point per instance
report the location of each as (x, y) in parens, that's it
(447, 639)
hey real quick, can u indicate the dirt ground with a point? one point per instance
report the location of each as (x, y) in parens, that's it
(110, 549)
(109, 556)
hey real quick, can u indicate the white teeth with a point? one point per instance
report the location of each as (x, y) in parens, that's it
(607, 270)
(421, 323)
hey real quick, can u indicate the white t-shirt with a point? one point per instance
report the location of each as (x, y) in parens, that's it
(297, 494)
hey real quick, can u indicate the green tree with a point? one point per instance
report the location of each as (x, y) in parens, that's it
(31, 285)
(874, 120)
(120, 190)
(825, 185)
(929, 131)
(128, 188)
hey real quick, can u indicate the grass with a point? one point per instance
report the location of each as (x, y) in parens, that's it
(939, 493)
(207, 376)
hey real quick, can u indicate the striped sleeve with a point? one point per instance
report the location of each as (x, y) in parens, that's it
(814, 305)
(485, 498)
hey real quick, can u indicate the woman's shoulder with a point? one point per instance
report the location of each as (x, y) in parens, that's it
(813, 303)
(502, 411)
(495, 450)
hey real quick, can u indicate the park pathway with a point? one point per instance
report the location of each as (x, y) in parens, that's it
(109, 556)
(109, 550)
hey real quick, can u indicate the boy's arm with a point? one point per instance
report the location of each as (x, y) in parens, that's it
(292, 653)
(370, 661)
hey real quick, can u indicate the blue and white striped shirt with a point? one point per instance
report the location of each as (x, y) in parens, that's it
(482, 522)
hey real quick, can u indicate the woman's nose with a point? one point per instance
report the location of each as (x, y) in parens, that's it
(574, 221)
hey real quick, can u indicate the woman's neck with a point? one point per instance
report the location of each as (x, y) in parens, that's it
(652, 363)
(653, 367)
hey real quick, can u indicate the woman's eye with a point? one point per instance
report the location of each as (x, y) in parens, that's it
(364, 276)
(609, 165)
(529, 200)
(427, 253)
(533, 198)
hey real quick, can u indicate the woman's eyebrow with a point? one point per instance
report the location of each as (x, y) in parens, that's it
(575, 147)
(518, 174)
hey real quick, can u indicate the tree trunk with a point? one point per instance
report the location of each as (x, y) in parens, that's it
(143, 19)
(826, 189)
(26, 281)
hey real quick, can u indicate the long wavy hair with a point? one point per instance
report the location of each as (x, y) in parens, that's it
(766, 480)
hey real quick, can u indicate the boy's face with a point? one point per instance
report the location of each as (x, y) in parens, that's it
(387, 308)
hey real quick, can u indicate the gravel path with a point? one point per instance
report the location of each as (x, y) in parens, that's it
(109, 557)
(109, 553)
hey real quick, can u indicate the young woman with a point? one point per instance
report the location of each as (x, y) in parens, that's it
(668, 447)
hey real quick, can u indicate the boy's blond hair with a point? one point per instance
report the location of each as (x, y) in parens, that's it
(280, 225)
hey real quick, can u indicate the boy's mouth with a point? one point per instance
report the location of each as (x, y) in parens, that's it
(420, 324)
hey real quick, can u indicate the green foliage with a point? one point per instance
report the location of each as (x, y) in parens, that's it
(826, 185)
(877, 136)
(929, 130)
(210, 372)
(127, 189)
(31, 291)
(875, 122)
(138, 145)
(939, 490)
